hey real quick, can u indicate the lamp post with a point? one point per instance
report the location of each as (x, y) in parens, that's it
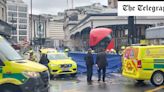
(131, 30)
(72, 4)
(31, 23)
(40, 33)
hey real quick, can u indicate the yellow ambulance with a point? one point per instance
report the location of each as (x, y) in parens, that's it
(144, 63)
(19, 75)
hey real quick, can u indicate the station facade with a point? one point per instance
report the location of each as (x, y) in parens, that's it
(79, 34)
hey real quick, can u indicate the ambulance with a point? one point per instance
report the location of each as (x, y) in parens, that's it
(144, 63)
(18, 74)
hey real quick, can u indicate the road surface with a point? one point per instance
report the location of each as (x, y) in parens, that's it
(114, 83)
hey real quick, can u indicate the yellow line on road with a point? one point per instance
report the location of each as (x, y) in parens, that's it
(155, 89)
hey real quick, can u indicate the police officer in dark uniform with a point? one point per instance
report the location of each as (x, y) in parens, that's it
(101, 63)
(89, 63)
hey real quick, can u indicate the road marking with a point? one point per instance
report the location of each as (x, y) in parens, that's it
(155, 89)
(71, 90)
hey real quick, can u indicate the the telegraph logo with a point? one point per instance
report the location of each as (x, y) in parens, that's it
(140, 7)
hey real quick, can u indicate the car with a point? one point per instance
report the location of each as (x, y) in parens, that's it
(58, 63)
(144, 63)
(48, 50)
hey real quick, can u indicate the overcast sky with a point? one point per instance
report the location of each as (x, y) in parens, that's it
(54, 6)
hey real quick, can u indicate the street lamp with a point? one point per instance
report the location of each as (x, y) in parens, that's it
(31, 23)
(131, 30)
(40, 33)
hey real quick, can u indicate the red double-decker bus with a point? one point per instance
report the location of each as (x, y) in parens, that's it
(101, 38)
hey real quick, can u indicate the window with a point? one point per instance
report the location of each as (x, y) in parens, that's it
(1, 64)
(73, 17)
(118, 33)
(3, 13)
(12, 14)
(22, 26)
(12, 7)
(2, 58)
(22, 38)
(103, 43)
(23, 15)
(22, 20)
(15, 25)
(56, 56)
(22, 32)
(131, 54)
(14, 31)
(22, 9)
(12, 20)
(14, 38)
(8, 51)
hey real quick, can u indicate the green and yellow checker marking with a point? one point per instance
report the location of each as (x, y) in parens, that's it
(17, 76)
(158, 64)
(0, 69)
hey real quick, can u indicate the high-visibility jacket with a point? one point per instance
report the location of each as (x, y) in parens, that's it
(32, 56)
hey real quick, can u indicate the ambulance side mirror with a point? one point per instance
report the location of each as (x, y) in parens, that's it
(1, 63)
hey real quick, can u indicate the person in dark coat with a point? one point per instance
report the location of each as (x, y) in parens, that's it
(101, 63)
(89, 63)
(44, 60)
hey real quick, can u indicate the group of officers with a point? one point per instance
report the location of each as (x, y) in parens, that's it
(101, 63)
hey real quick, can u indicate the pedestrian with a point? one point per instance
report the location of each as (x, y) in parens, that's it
(89, 63)
(101, 64)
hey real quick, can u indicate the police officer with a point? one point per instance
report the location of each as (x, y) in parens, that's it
(122, 50)
(66, 51)
(32, 56)
(89, 63)
(113, 51)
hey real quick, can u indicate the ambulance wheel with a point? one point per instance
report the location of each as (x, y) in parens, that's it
(157, 78)
(10, 88)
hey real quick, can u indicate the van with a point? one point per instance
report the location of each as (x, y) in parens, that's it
(18, 74)
(144, 63)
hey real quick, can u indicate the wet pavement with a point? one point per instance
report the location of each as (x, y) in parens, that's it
(114, 83)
